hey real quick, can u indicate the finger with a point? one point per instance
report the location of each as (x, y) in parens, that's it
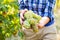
(40, 26)
(21, 16)
(23, 11)
(26, 10)
(21, 21)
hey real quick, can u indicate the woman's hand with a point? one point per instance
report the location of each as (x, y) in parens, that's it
(43, 22)
(21, 15)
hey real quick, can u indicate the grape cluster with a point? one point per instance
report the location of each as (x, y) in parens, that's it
(31, 19)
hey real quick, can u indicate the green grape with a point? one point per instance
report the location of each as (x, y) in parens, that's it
(15, 32)
(35, 28)
(26, 24)
(28, 14)
(32, 21)
(7, 34)
(3, 32)
(36, 17)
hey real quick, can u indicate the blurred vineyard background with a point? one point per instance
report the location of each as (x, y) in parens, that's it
(10, 28)
(57, 17)
(57, 14)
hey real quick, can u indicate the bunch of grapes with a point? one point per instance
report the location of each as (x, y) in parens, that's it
(30, 20)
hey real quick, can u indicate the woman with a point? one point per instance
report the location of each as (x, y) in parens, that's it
(44, 8)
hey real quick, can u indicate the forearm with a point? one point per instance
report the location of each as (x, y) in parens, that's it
(44, 21)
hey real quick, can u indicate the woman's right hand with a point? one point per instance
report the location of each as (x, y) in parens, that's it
(21, 15)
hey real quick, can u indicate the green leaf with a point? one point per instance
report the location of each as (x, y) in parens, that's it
(21, 34)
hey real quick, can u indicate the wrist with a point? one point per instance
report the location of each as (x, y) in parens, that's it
(43, 21)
